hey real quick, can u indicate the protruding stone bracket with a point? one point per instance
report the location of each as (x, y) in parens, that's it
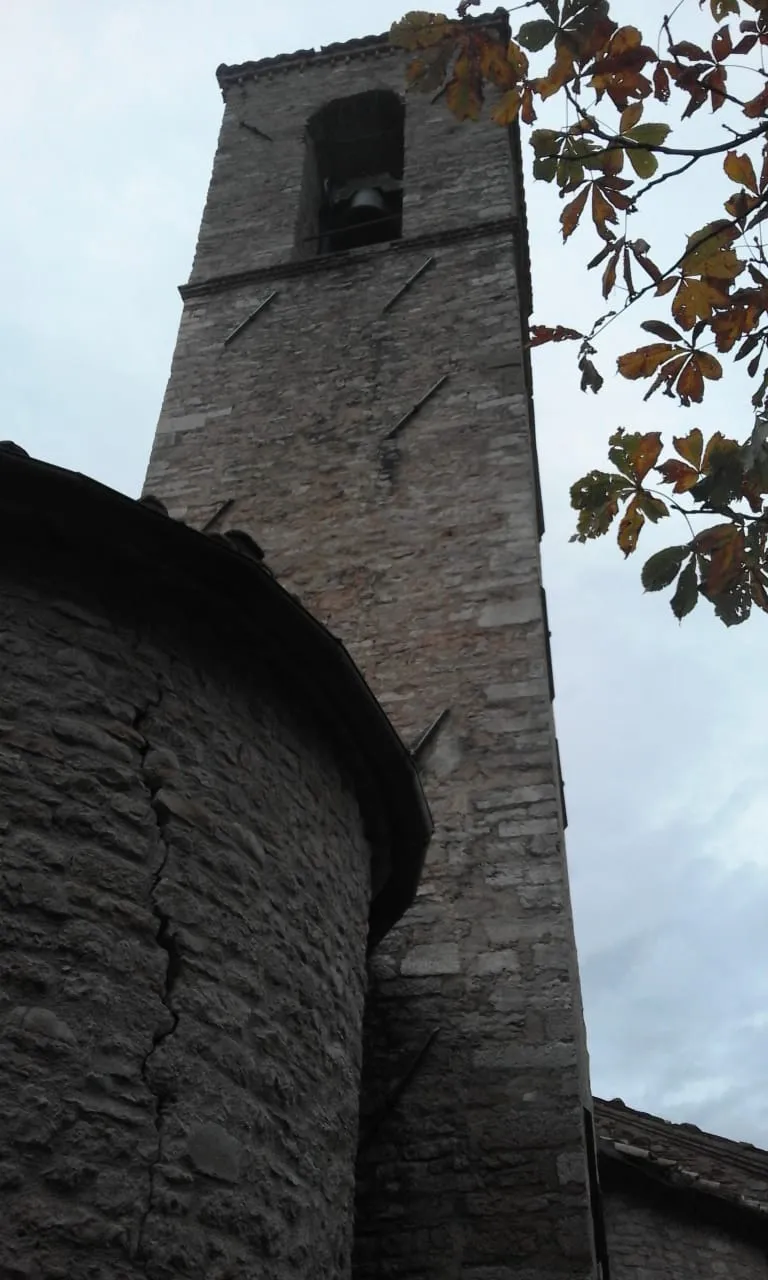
(408, 284)
(406, 418)
(252, 128)
(396, 1090)
(250, 319)
(429, 735)
(218, 515)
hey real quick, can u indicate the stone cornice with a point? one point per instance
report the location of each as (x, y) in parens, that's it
(344, 51)
(373, 46)
(333, 261)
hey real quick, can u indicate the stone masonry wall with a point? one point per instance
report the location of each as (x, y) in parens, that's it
(645, 1243)
(184, 890)
(421, 553)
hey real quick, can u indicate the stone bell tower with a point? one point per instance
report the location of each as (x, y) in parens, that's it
(350, 385)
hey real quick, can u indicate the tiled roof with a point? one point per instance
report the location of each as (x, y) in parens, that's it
(684, 1157)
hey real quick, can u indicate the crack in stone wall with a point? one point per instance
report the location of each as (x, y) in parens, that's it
(167, 941)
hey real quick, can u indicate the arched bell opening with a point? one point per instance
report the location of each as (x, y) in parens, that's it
(354, 173)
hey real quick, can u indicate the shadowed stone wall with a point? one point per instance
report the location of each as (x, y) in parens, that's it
(184, 896)
(647, 1242)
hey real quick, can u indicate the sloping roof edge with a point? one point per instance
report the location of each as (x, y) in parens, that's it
(119, 541)
(634, 1165)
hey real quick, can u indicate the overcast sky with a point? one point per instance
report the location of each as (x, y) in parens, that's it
(108, 128)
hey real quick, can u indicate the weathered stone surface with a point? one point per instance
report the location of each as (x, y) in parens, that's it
(421, 553)
(645, 1242)
(184, 892)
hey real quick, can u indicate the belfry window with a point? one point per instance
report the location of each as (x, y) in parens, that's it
(353, 179)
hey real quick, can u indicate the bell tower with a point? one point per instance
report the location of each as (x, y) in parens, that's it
(351, 386)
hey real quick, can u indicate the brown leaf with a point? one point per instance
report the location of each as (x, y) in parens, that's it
(497, 67)
(709, 252)
(569, 218)
(627, 268)
(717, 444)
(690, 384)
(739, 169)
(630, 117)
(726, 563)
(715, 82)
(645, 454)
(756, 106)
(634, 453)
(722, 45)
(527, 112)
(717, 535)
(720, 8)
(559, 74)
(518, 60)
(630, 526)
(678, 474)
(540, 333)
(687, 49)
(739, 319)
(757, 587)
(741, 204)
(661, 83)
(644, 261)
(591, 380)
(609, 275)
(690, 447)
(696, 300)
(602, 213)
(506, 111)
(645, 360)
(464, 93)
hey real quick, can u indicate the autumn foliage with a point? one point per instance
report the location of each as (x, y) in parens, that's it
(604, 161)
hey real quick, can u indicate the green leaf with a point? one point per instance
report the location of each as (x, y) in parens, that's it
(596, 497)
(687, 594)
(651, 506)
(536, 35)
(733, 607)
(545, 142)
(663, 568)
(419, 29)
(662, 330)
(644, 163)
(545, 170)
(650, 135)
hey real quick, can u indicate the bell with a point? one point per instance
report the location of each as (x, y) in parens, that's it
(366, 203)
